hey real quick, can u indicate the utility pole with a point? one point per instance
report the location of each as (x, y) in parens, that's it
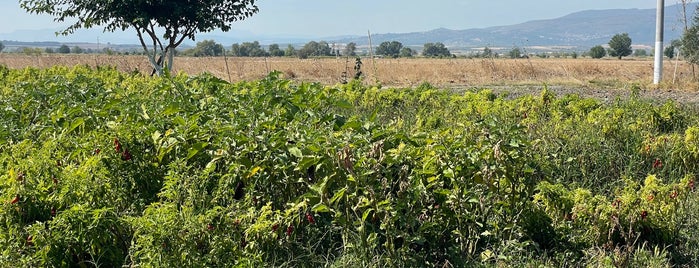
(659, 27)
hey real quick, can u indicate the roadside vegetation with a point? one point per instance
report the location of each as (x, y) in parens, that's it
(105, 168)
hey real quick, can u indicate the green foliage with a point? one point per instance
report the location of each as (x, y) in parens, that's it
(64, 49)
(598, 52)
(165, 23)
(515, 53)
(314, 49)
(248, 49)
(620, 45)
(206, 48)
(2, 46)
(102, 168)
(351, 49)
(275, 51)
(690, 41)
(437, 50)
(390, 49)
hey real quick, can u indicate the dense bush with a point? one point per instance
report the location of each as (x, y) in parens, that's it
(102, 168)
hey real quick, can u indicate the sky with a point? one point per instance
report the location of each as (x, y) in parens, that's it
(329, 18)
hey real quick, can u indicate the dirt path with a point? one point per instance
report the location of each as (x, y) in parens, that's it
(606, 95)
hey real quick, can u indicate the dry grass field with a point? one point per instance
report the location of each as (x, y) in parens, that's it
(460, 72)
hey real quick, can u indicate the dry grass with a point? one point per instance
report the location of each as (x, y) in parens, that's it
(602, 73)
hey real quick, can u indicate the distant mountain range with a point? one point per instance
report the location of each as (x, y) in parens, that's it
(581, 29)
(577, 30)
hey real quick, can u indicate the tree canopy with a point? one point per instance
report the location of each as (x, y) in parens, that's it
(620, 45)
(598, 52)
(435, 50)
(390, 49)
(161, 25)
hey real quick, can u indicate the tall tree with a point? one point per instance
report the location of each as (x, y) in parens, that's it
(435, 50)
(161, 25)
(351, 49)
(389, 49)
(620, 45)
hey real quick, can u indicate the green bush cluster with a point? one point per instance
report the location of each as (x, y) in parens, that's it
(103, 168)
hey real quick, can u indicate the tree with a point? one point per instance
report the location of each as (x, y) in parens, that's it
(515, 53)
(620, 45)
(407, 52)
(598, 52)
(351, 49)
(435, 50)
(64, 49)
(487, 53)
(290, 51)
(690, 42)
(161, 26)
(2, 46)
(640, 53)
(206, 48)
(49, 50)
(77, 50)
(316, 49)
(248, 49)
(389, 49)
(275, 51)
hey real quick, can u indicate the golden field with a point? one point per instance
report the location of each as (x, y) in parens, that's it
(458, 72)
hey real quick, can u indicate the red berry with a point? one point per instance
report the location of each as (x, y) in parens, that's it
(210, 227)
(126, 155)
(289, 230)
(644, 214)
(657, 163)
(275, 227)
(97, 151)
(310, 218)
(53, 212)
(15, 200)
(117, 145)
(30, 240)
(673, 195)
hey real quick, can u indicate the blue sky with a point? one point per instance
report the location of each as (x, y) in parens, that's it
(323, 18)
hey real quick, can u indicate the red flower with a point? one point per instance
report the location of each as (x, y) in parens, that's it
(657, 163)
(117, 145)
(275, 227)
(289, 230)
(310, 218)
(644, 214)
(210, 227)
(126, 155)
(15, 200)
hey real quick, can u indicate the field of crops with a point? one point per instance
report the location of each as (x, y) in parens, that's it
(100, 167)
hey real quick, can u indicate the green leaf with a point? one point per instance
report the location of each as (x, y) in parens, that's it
(76, 123)
(295, 152)
(343, 104)
(367, 213)
(338, 195)
(196, 148)
(321, 208)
